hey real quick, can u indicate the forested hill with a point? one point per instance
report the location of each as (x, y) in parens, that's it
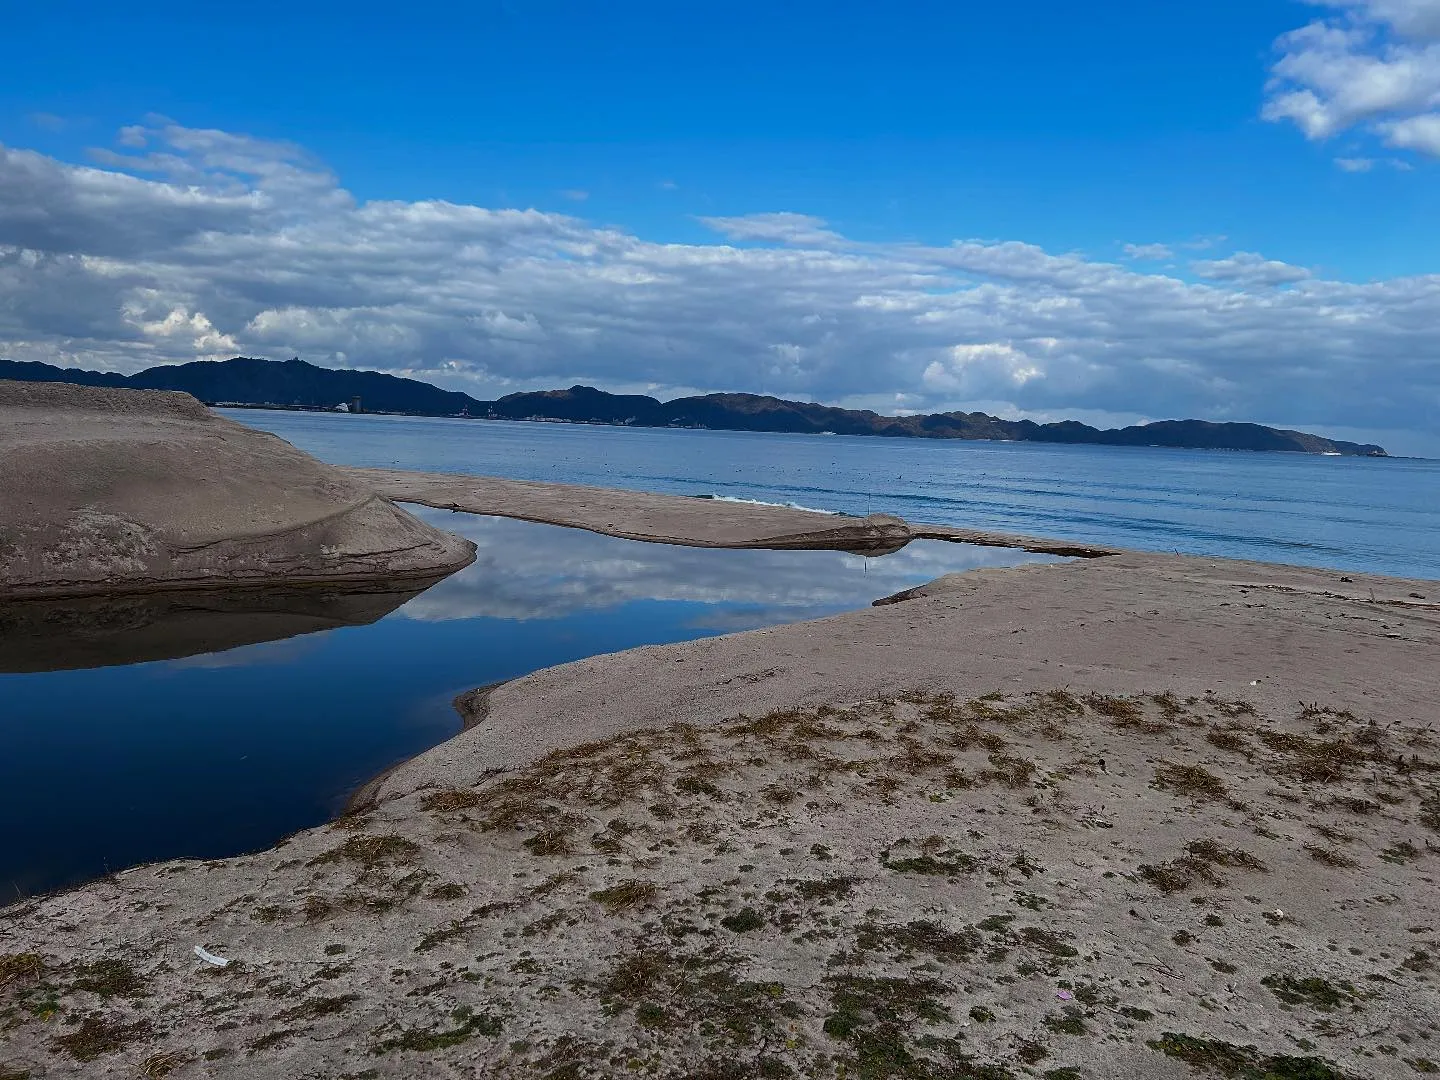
(297, 384)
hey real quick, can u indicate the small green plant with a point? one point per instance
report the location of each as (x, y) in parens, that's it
(468, 1024)
(97, 1036)
(1315, 992)
(1400, 852)
(743, 921)
(920, 936)
(1244, 1062)
(109, 978)
(1069, 1021)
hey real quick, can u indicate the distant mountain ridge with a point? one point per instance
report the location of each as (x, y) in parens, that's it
(297, 384)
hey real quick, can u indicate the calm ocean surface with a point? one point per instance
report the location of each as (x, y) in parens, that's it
(1371, 515)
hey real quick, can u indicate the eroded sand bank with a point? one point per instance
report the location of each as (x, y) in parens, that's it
(1131, 816)
(105, 491)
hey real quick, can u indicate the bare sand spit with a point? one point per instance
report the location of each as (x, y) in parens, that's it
(104, 491)
(678, 519)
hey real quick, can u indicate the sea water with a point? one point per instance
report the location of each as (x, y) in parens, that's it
(1373, 515)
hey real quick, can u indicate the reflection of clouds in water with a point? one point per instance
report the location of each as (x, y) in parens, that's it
(258, 655)
(526, 571)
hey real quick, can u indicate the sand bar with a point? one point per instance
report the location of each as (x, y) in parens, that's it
(107, 491)
(679, 519)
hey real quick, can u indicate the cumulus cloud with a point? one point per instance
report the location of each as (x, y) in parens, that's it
(1372, 64)
(780, 228)
(1415, 133)
(1410, 18)
(1248, 268)
(200, 244)
(1148, 252)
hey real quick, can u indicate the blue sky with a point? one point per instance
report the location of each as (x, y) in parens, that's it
(1074, 129)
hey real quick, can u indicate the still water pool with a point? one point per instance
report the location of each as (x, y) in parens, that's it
(205, 725)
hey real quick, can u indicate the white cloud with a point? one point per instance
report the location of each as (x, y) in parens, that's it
(1354, 165)
(575, 194)
(1148, 252)
(1414, 133)
(1410, 18)
(964, 368)
(1248, 268)
(200, 244)
(781, 228)
(1368, 64)
(1205, 243)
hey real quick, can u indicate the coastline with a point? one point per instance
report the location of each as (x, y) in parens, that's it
(1101, 779)
(683, 520)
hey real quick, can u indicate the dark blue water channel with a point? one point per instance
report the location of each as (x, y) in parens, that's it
(218, 723)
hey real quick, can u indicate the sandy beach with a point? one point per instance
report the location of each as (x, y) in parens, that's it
(1128, 815)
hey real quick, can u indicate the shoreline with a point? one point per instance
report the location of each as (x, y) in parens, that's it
(685, 520)
(472, 707)
(1112, 810)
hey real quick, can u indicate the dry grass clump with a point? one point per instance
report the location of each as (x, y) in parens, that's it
(1329, 857)
(372, 851)
(1128, 713)
(627, 894)
(108, 978)
(160, 1065)
(1197, 866)
(98, 1035)
(1228, 739)
(1192, 780)
(1216, 853)
(20, 967)
(1430, 812)
(1317, 761)
(1013, 772)
(450, 801)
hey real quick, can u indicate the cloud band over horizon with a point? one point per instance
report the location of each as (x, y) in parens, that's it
(186, 244)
